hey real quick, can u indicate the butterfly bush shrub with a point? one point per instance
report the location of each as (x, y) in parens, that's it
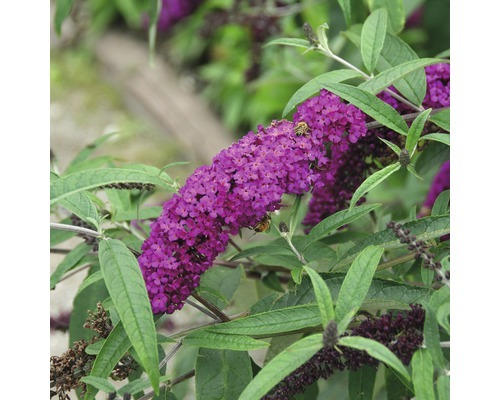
(335, 217)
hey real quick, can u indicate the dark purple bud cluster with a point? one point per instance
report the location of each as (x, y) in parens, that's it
(401, 333)
(89, 240)
(420, 248)
(67, 370)
(129, 186)
(345, 172)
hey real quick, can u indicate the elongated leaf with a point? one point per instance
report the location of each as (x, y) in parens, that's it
(81, 205)
(138, 385)
(68, 263)
(263, 250)
(396, 13)
(335, 221)
(290, 42)
(423, 228)
(388, 77)
(376, 350)
(270, 322)
(280, 366)
(316, 84)
(415, 131)
(443, 387)
(372, 181)
(432, 339)
(221, 374)
(91, 179)
(361, 383)
(396, 52)
(114, 348)
(99, 383)
(441, 204)
(345, 5)
(92, 163)
(391, 145)
(213, 340)
(142, 213)
(437, 137)
(396, 390)
(323, 297)
(373, 37)
(442, 119)
(422, 374)
(63, 8)
(88, 150)
(127, 289)
(357, 283)
(371, 105)
(89, 280)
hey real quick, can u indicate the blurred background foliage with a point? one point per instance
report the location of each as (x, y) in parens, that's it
(220, 44)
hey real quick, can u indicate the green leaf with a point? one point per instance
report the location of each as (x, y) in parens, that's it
(156, 6)
(99, 383)
(443, 387)
(373, 37)
(323, 297)
(138, 385)
(90, 280)
(297, 274)
(114, 348)
(280, 366)
(422, 374)
(376, 350)
(415, 131)
(127, 289)
(382, 294)
(68, 262)
(395, 388)
(371, 105)
(81, 205)
(142, 213)
(220, 280)
(437, 137)
(63, 8)
(441, 204)
(396, 13)
(57, 236)
(93, 163)
(221, 374)
(442, 119)
(345, 5)
(391, 75)
(266, 250)
(290, 42)
(391, 145)
(395, 52)
(333, 222)
(357, 283)
(216, 340)
(432, 339)
(361, 383)
(91, 179)
(372, 181)
(424, 229)
(271, 322)
(316, 84)
(88, 150)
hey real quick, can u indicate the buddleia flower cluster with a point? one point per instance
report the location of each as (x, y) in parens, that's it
(347, 170)
(440, 183)
(242, 185)
(401, 333)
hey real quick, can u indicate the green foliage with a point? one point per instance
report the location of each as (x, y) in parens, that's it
(323, 296)
(221, 374)
(361, 383)
(356, 285)
(415, 131)
(373, 37)
(281, 365)
(69, 262)
(422, 374)
(216, 340)
(127, 289)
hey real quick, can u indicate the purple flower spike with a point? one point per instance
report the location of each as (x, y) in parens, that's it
(243, 184)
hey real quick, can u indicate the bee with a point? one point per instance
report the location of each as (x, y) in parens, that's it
(263, 225)
(301, 128)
